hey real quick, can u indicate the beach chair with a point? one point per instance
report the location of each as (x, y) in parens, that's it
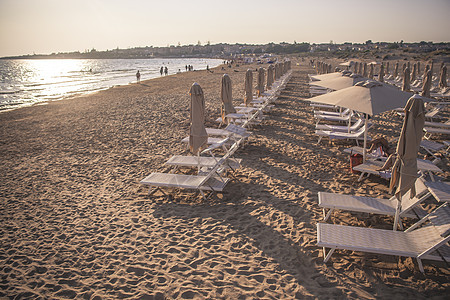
(352, 128)
(338, 135)
(427, 242)
(437, 124)
(430, 131)
(343, 118)
(432, 148)
(434, 113)
(332, 113)
(211, 181)
(410, 207)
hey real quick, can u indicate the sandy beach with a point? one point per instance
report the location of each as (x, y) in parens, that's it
(76, 223)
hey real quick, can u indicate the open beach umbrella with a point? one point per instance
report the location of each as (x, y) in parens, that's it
(406, 80)
(226, 96)
(197, 132)
(443, 77)
(368, 97)
(381, 75)
(404, 171)
(326, 76)
(260, 83)
(248, 97)
(269, 77)
(338, 83)
(426, 87)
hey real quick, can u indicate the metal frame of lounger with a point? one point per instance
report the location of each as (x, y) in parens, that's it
(333, 113)
(409, 206)
(419, 243)
(429, 131)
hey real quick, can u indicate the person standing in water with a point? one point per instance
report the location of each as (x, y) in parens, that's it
(166, 71)
(138, 76)
(161, 70)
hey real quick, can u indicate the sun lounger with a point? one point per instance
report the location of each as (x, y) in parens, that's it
(201, 162)
(430, 131)
(352, 128)
(338, 135)
(332, 113)
(410, 207)
(432, 148)
(372, 166)
(209, 181)
(344, 118)
(437, 124)
(427, 242)
(440, 190)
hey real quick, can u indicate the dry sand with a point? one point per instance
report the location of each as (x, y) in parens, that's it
(76, 223)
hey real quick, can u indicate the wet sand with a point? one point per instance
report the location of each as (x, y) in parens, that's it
(76, 223)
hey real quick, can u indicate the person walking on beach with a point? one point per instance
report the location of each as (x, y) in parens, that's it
(166, 71)
(161, 70)
(138, 76)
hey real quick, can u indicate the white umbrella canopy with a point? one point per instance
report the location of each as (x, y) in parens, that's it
(369, 97)
(341, 82)
(326, 76)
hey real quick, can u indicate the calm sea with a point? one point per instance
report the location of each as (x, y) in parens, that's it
(27, 82)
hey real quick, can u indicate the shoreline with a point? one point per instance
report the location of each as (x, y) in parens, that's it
(77, 223)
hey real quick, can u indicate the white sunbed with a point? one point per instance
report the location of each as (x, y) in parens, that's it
(332, 113)
(352, 128)
(210, 181)
(437, 124)
(410, 207)
(430, 131)
(427, 242)
(344, 118)
(338, 135)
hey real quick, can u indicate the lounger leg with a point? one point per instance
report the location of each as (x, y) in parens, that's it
(361, 176)
(419, 262)
(326, 215)
(327, 256)
(320, 138)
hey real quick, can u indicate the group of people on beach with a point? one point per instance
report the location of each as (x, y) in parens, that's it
(189, 68)
(164, 70)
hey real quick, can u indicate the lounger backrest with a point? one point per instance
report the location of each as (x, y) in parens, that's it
(219, 164)
(409, 203)
(440, 219)
(357, 124)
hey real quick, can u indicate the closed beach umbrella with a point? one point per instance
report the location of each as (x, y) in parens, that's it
(260, 85)
(404, 171)
(381, 75)
(356, 68)
(406, 80)
(360, 68)
(414, 72)
(426, 87)
(365, 70)
(371, 71)
(387, 68)
(197, 132)
(396, 70)
(443, 77)
(269, 77)
(248, 97)
(226, 96)
(418, 67)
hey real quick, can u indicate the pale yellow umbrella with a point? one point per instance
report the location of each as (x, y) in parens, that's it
(248, 97)
(371, 71)
(269, 77)
(404, 171)
(381, 75)
(260, 83)
(443, 77)
(426, 87)
(413, 74)
(197, 132)
(396, 70)
(406, 80)
(227, 97)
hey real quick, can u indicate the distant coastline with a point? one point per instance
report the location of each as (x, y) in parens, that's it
(226, 51)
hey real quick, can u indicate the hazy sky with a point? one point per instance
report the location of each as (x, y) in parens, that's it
(46, 26)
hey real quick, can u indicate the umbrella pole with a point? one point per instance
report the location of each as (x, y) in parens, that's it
(397, 212)
(365, 137)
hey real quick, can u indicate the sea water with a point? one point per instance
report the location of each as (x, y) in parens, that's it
(28, 82)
